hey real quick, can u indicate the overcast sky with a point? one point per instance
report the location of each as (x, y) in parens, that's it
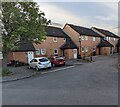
(88, 14)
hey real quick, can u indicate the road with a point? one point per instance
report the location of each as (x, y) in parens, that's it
(93, 83)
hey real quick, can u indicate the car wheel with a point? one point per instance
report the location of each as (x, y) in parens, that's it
(49, 67)
(37, 69)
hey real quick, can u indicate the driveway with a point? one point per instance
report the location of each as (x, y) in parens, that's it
(93, 83)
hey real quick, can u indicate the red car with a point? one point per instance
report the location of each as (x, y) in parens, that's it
(57, 61)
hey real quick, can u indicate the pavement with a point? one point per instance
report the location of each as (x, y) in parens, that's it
(93, 83)
(18, 73)
(23, 72)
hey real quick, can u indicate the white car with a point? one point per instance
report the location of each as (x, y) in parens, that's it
(40, 63)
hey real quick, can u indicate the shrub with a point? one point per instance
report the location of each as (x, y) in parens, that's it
(6, 72)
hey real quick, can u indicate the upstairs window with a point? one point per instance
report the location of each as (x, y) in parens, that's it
(84, 37)
(55, 39)
(94, 38)
(107, 38)
(64, 39)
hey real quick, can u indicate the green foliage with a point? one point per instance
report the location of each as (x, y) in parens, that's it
(23, 21)
(6, 72)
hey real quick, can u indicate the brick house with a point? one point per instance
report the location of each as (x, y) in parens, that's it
(55, 38)
(110, 37)
(25, 50)
(85, 39)
(69, 49)
(104, 47)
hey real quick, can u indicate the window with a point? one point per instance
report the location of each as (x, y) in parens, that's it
(43, 60)
(55, 51)
(84, 49)
(38, 52)
(43, 51)
(84, 37)
(109, 38)
(64, 40)
(94, 38)
(55, 39)
(34, 60)
(114, 39)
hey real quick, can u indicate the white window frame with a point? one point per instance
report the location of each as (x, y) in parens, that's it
(107, 38)
(43, 51)
(64, 39)
(38, 51)
(54, 52)
(86, 37)
(54, 39)
(82, 37)
(82, 50)
(94, 38)
(85, 49)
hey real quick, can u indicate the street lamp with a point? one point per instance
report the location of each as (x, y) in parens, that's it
(80, 46)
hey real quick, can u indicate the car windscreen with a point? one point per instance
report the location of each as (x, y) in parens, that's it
(43, 60)
(59, 58)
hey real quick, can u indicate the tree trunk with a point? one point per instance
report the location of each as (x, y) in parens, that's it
(4, 61)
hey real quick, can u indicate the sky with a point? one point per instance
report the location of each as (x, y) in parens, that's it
(87, 14)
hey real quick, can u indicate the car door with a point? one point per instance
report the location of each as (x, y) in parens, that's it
(31, 63)
(35, 63)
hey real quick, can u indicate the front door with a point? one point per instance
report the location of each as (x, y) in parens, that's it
(30, 56)
(75, 53)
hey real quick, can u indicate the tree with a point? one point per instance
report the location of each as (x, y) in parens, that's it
(23, 21)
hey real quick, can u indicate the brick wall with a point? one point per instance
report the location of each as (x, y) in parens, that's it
(20, 56)
(113, 42)
(105, 50)
(50, 45)
(75, 37)
(69, 54)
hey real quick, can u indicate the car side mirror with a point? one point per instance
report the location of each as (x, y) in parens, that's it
(30, 61)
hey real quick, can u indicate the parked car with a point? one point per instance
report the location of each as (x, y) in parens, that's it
(57, 60)
(40, 63)
(13, 63)
(16, 63)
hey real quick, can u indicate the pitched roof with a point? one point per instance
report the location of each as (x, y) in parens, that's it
(84, 31)
(56, 32)
(69, 44)
(118, 43)
(106, 32)
(24, 47)
(104, 43)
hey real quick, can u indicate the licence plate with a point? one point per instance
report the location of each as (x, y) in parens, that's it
(61, 62)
